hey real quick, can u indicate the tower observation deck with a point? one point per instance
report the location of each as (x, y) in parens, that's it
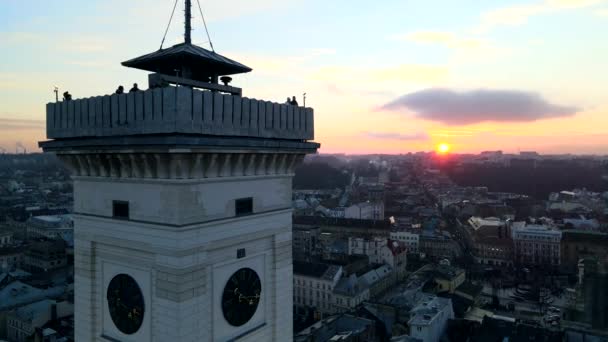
(184, 106)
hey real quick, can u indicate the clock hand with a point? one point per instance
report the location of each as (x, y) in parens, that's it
(250, 299)
(254, 296)
(239, 294)
(245, 298)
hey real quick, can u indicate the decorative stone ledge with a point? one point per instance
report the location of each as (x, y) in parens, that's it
(180, 165)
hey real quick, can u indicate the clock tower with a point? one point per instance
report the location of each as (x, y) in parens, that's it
(182, 203)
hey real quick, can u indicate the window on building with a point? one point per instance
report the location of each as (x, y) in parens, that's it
(120, 209)
(243, 206)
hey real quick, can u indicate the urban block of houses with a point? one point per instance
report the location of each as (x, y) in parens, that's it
(381, 251)
(22, 323)
(490, 240)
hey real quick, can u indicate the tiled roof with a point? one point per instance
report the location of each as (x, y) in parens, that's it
(201, 61)
(351, 286)
(309, 269)
(28, 312)
(315, 270)
(18, 293)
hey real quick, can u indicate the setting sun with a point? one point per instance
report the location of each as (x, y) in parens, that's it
(443, 148)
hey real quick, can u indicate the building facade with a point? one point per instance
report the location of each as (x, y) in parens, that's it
(350, 292)
(577, 245)
(594, 284)
(10, 258)
(313, 286)
(45, 256)
(411, 240)
(341, 327)
(438, 246)
(365, 211)
(429, 319)
(22, 322)
(490, 241)
(307, 244)
(536, 244)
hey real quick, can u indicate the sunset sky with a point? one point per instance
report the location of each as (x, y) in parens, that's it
(383, 76)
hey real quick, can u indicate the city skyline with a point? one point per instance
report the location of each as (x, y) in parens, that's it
(393, 79)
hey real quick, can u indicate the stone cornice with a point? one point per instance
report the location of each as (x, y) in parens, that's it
(193, 165)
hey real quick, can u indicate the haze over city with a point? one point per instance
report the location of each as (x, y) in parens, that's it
(399, 77)
(403, 171)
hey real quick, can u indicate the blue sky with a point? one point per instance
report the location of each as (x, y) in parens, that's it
(351, 57)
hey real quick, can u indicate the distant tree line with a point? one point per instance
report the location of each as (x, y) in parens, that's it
(536, 181)
(319, 176)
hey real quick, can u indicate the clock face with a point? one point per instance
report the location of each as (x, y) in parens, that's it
(126, 303)
(241, 296)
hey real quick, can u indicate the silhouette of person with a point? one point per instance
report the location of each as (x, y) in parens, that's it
(120, 90)
(288, 100)
(67, 96)
(293, 101)
(134, 89)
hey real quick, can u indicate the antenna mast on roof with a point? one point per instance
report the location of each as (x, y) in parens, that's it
(188, 23)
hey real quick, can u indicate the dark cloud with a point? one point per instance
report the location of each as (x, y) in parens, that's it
(395, 136)
(461, 108)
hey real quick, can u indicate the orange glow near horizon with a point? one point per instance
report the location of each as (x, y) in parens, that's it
(443, 148)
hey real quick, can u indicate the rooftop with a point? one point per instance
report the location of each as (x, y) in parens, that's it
(478, 222)
(341, 222)
(18, 293)
(48, 219)
(335, 328)
(536, 229)
(201, 63)
(315, 270)
(373, 276)
(28, 312)
(52, 221)
(497, 329)
(427, 310)
(351, 286)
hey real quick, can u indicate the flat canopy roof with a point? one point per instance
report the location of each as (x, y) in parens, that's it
(201, 62)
